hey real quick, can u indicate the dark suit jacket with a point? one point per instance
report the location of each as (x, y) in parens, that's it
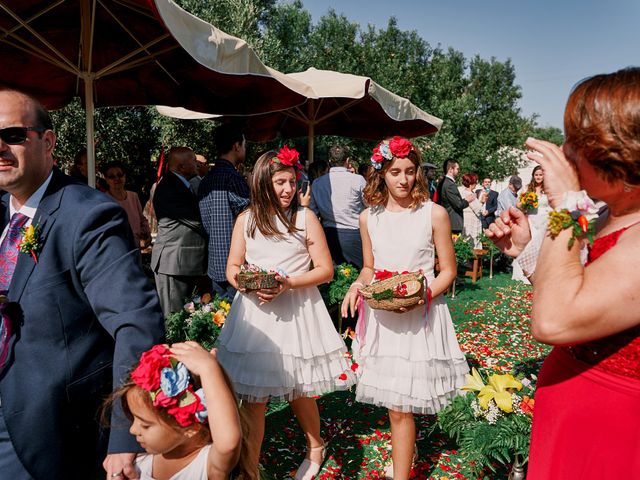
(181, 244)
(86, 290)
(491, 206)
(449, 197)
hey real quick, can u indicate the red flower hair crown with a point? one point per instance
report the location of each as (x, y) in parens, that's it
(396, 147)
(169, 385)
(289, 157)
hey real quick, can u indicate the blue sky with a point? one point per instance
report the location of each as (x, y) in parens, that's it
(552, 44)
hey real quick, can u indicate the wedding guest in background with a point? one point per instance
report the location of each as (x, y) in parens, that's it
(79, 168)
(223, 194)
(202, 167)
(448, 195)
(179, 256)
(490, 205)
(472, 225)
(114, 173)
(509, 196)
(337, 199)
(317, 169)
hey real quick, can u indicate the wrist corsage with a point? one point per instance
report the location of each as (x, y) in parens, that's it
(577, 212)
(30, 242)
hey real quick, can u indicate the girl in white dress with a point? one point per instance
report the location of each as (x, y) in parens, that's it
(410, 360)
(472, 214)
(280, 343)
(170, 420)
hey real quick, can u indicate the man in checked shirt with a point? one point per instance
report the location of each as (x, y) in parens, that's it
(223, 194)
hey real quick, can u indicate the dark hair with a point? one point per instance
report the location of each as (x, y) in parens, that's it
(448, 163)
(469, 179)
(602, 124)
(226, 136)
(79, 155)
(376, 192)
(264, 202)
(337, 155)
(113, 164)
(532, 185)
(317, 169)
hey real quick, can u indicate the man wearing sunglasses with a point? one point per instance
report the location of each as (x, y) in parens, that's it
(78, 310)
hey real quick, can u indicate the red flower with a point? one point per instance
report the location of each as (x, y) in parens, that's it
(288, 156)
(343, 376)
(185, 415)
(376, 157)
(400, 147)
(354, 367)
(383, 274)
(147, 373)
(163, 401)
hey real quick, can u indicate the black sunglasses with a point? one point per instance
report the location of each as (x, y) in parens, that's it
(17, 135)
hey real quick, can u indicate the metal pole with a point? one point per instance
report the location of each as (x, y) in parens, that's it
(91, 147)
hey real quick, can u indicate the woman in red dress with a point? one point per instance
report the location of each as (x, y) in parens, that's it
(587, 414)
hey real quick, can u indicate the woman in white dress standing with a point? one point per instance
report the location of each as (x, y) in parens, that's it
(537, 216)
(280, 343)
(472, 215)
(410, 361)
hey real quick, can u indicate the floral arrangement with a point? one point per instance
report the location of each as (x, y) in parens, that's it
(396, 147)
(30, 242)
(462, 248)
(343, 276)
(399, 290)
(493, 421)
(528, 201)
(170, 387)
(578, 213)
(200, 320)
(289, 157)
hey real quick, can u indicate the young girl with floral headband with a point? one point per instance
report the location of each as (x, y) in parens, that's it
(410, 360)
(166, 401)
(280, 343)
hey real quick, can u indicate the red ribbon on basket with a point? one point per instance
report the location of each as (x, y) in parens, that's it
(361, 328)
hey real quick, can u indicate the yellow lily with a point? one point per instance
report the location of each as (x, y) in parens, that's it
(225, 306)
(498, 389)
(474, 381)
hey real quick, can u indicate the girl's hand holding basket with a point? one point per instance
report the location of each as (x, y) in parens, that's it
(267, 295)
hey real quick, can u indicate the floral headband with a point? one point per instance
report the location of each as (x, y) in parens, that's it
(397, 147)
(289, 157)
(168, 383)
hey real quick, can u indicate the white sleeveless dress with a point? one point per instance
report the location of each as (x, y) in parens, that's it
(196, 470)
(411, 362)
(287, 348)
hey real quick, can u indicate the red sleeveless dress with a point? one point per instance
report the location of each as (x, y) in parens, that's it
(586, 424)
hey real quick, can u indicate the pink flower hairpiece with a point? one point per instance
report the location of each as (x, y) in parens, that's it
(169, 385)
(397, 147)
(288, 157)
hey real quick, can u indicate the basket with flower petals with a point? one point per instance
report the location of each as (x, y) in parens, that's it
(252, 277)
(395, 290)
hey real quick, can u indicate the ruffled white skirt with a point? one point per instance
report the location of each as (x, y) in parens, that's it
(410, 363)
(283, 350)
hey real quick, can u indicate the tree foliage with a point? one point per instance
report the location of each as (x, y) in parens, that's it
(477, 98)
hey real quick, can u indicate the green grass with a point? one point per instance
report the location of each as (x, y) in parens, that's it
(492, 323)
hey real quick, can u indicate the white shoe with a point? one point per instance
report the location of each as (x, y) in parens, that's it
(388, 470)
(309, 470)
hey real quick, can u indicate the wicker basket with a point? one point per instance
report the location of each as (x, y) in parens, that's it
(385, 294)
(256, 280)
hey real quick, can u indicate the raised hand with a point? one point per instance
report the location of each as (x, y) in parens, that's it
(560, 176)
(510, 232)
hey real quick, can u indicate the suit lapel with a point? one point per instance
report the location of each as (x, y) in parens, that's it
(44, 218)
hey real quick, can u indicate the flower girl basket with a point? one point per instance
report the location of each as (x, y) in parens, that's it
(403, 290)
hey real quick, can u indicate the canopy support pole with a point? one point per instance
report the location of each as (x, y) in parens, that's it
(91, 147)
(310, 135)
